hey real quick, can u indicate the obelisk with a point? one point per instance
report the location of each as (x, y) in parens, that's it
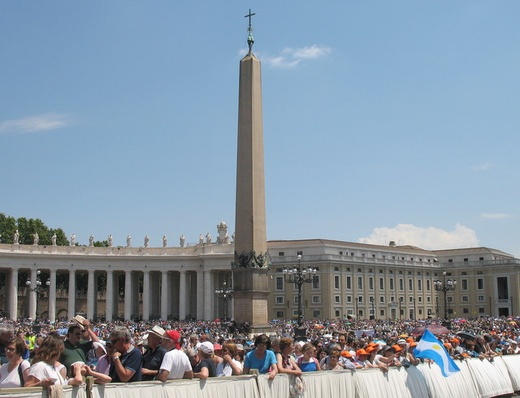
(250, 281)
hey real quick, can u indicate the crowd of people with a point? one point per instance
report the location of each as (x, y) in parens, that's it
(65, 353)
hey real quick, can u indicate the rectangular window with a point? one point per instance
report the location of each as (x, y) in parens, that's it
(481, 298)
(391, 283)
(337, 299)
(465, 299)
(279, 283)
(464, 284)
(349, 299)
(401, 284)
(279, 300)
(337, 313)
(360, 282)
(410, 284)
(382, 299)
(349, 283)
(480, 284)
(419, 284)
(428, 287)
(317, 299)
(371, 283)
(279, 314)
(316, 314)
(381, 284)
(316, 282)
(336, 281)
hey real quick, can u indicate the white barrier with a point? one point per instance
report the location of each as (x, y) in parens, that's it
(479, 379)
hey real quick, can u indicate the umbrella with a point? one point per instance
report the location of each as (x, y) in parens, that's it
(434, 328)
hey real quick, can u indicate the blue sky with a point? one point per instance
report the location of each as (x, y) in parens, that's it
(382, 120)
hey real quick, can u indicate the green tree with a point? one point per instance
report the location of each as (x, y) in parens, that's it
(27, 228)
(7, 228)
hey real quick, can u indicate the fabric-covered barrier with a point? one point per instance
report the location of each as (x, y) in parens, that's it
(476, 379)
(512, 363)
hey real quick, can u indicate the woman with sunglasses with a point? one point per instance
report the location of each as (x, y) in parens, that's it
(14, 372)
(227, 364)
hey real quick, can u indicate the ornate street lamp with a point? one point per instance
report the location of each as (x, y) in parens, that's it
(445, 286)
(39, 288)
(226, 293)
(299, 275)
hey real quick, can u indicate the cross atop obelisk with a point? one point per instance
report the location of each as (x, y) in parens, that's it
(250, 283)
(250, 38)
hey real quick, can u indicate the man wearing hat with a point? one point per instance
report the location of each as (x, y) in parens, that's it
(175, 364)
(154, 354)
(80, 339)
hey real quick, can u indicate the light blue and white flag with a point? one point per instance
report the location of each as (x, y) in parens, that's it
(431, 348)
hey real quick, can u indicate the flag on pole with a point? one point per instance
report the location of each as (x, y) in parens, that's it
(431, 348)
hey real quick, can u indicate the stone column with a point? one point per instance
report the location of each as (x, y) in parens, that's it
(91, 294)
(164, 295)
(128, 294)
(109, 296)
(13, 294)
(72, 294)
(200, 294)
(208, 313)
(32, 294)
(182, 296)
(146, 295)
(52, 295)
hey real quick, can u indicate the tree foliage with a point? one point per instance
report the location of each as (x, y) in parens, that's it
(27, 228)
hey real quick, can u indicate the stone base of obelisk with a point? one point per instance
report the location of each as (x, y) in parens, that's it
(250, 292)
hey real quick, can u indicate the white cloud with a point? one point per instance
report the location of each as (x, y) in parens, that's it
(483, 166)
(496, 216)
(429, 238)
(311, 52)
(291, 57)
(281, 62)
(35, 124)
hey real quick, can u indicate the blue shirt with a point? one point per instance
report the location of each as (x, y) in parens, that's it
(263, 365)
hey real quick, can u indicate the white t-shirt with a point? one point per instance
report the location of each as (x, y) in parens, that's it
(177, 363)
(225, 369)
(12, 379)
(41, 370)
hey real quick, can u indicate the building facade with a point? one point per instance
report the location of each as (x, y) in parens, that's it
(352, 279)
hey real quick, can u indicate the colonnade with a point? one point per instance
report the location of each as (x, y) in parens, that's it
(131, 293)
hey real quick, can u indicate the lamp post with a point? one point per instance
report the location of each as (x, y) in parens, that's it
(226, 293)
(299, 275)
(373, 316)
(445, 286)
(38, 288)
